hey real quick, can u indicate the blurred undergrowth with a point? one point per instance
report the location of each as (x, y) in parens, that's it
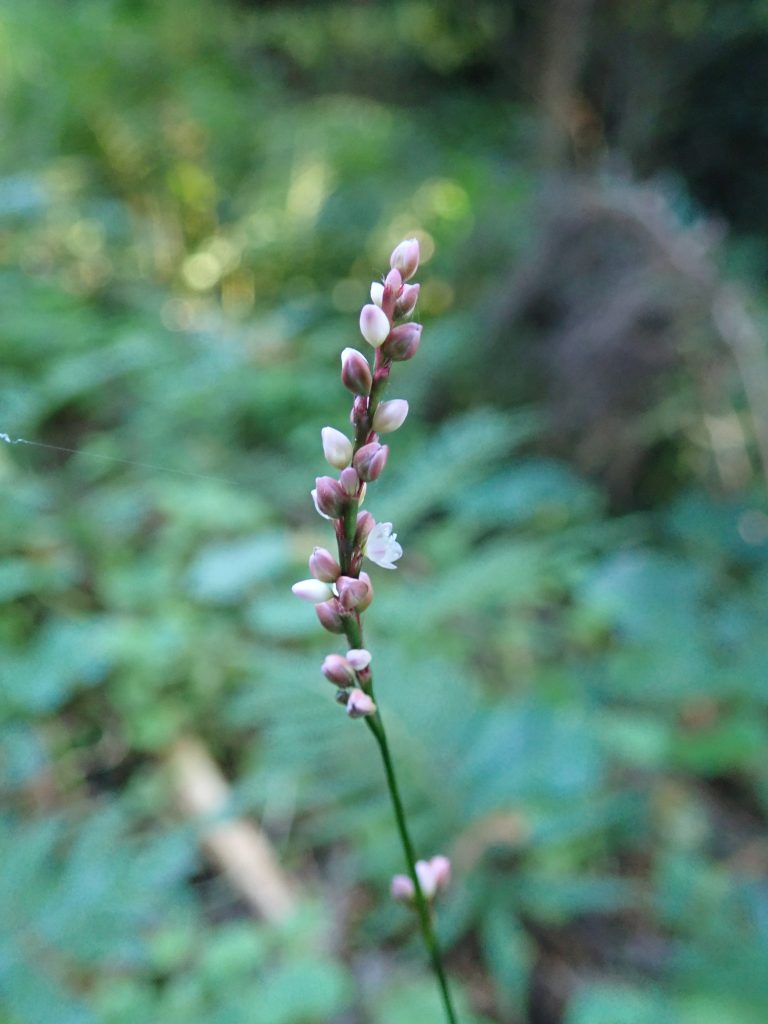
(191, 197)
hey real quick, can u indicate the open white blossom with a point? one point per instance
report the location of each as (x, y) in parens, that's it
(382, 547)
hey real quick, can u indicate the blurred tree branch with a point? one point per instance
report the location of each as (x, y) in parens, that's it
(238, 847)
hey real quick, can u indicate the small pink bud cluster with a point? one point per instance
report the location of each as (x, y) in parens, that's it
(338, 588)
(434, 876)
(347, 672)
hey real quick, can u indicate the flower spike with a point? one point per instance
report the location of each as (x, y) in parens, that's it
(339, 590)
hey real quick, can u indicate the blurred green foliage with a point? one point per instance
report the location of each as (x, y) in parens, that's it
(192, 202)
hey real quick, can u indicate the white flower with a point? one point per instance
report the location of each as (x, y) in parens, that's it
(377, 293)
(382, 547)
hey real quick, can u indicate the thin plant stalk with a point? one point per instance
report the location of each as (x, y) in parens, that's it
(376, 726)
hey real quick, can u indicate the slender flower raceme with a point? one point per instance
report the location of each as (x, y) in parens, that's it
(340, 591)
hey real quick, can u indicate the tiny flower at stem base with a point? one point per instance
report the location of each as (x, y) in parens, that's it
(360, 705)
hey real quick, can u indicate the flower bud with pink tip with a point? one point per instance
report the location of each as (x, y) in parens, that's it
(374, 325)
(360, 705)
(402, 343)
(349, 481)
(324, 566)
(354, 593)
(393, 285)
(365, 524)
(390, 415)
(370, 460)
(355, 372)
(337, 448)
(441, 871)
(329, 497)
(359, 411)
(312, 590)
(407, 300)
(338, 670)
(405, 258)
(365, 578)
(402, 889)
(426, 877)
(331, 615)
(359, 658)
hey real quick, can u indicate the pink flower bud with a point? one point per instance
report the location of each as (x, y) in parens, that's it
(331, 615)
(337, 448)
(330, 499)
(355, 372)
(359, 411)
(365, 524)
(365, 578)
(390, 415)
(393, 282)
(407, 300)
(338, 670)
(313, 591)
(370, 460)
(349, 481)
(360, 705)
(324, 566)
(441, 869)
(377, 293)
(359, 658)
(374, 325)
(402, 342)
(405, 258)
(401, 889)
(354, 593)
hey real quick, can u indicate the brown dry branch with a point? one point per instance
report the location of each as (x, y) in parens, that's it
(237, 847)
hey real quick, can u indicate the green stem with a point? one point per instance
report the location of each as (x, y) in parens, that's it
(376, 726)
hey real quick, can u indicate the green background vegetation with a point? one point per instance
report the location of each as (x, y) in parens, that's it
(572, 656)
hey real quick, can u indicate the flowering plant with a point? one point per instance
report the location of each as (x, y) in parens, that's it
(338, 587)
